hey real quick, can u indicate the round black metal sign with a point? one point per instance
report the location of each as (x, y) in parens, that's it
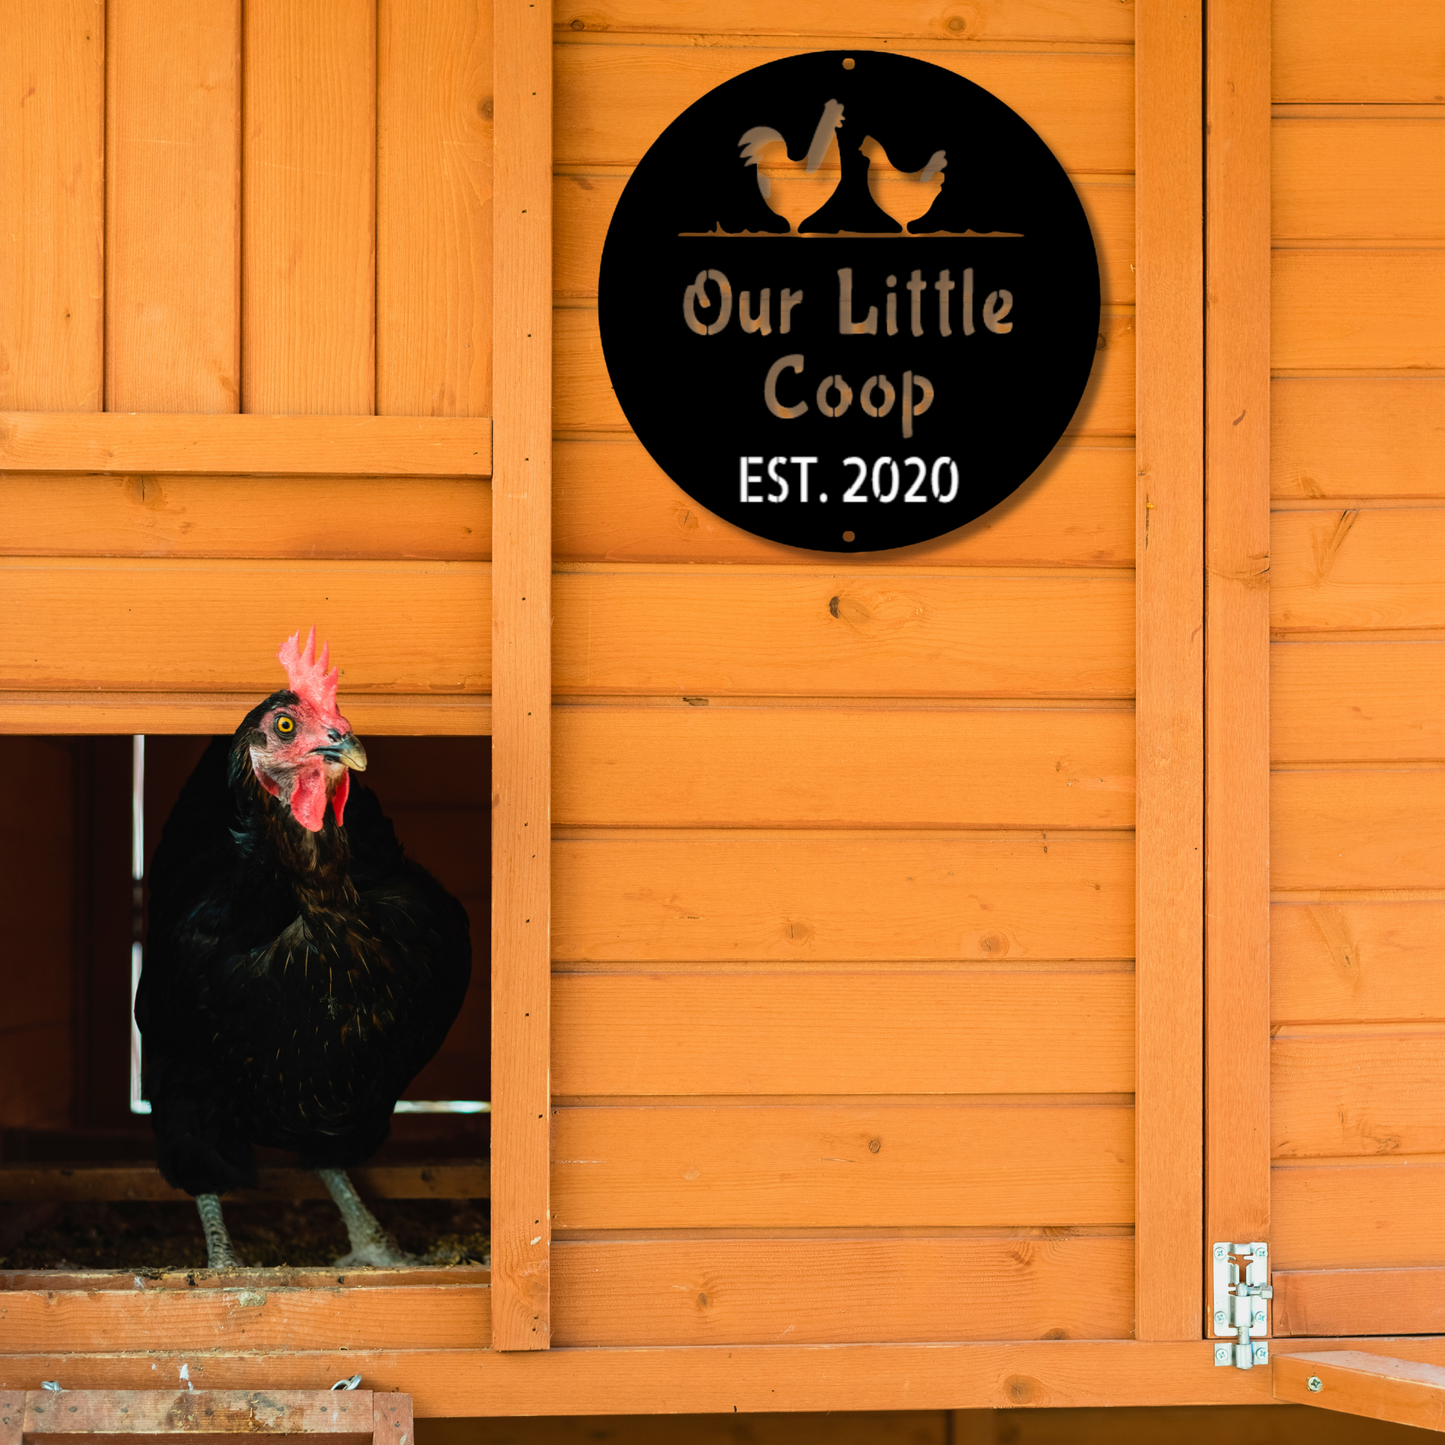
(849, 301)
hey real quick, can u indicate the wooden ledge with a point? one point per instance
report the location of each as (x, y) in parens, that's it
(162, 442)
(47, 1183)
(1357, 1383)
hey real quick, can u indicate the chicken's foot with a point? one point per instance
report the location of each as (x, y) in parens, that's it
(370, 1243)
(220, 1253)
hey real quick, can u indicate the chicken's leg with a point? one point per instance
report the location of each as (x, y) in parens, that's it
(370, 1243)
(220, 1253)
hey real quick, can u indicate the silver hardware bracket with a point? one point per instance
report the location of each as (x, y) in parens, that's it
(1241, 1287)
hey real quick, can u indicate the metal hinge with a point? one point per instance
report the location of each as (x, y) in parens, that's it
(1241, 1287)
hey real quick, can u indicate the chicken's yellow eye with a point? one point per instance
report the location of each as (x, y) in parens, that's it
(285, 725)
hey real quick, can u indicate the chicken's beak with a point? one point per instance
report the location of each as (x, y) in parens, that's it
(346, 749)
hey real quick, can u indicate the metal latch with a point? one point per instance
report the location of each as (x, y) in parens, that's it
(1241, 1286)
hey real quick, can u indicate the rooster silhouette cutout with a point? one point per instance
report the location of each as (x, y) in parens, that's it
(789, 192)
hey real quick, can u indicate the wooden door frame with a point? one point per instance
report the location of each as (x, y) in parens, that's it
(1169, 594)
(1169, 60)
(521, 674)
(1237, 532)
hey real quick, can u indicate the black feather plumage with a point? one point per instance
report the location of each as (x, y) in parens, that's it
(294, 982)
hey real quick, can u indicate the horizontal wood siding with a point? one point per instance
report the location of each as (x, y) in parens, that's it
(1358, 617)
(704, 1291)
(213, 626)
(785, 1165)
(738, 895)
(853, 1033)
(843, 860)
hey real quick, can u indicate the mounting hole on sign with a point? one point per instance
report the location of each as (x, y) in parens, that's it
(847, 536)
(849, 63)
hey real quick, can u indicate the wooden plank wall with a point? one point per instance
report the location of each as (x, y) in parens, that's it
(843, 1041)
(1358, 666)
(276, 208)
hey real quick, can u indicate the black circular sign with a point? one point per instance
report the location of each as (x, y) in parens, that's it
(849, 301)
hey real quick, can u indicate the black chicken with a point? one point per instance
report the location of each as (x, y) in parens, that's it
(299, 970)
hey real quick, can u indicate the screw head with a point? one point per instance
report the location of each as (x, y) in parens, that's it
(1315, 1384)
(1261, 1353)
(1219, 1251)
(1219, 1317)
(1221, 1354)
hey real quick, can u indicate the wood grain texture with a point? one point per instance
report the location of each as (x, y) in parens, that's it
(1361, 828)
(1237, 591)
(52, 208)
(308, 283)
(1088, 20)
(145, 515)
(1358, 1092)
(1357, 569)
(753, 1378)
(857, 633)
(1355, 177)
(1341, 961)
(763, 1291)
(813, 1165)
(613, 503)
(1170, 665)
(856, 1033)
(1358, 1213)
(275, 445)
(522, 625)
(173, 207)
(1358, 1382)
(104, 624)
(1361, 437)
(1358, 310)
(686, 898)
(836, 768)
(1323, 53)
(395, 1317)
(403, 714)
(434, 208)
(585, 401)
(1357, 702)
(1359, 1301)
(614, 99)
(584, 204)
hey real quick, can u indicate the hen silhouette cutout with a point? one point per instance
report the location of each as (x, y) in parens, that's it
(907, 196)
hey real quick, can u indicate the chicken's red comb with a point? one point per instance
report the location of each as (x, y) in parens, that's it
(307, 675)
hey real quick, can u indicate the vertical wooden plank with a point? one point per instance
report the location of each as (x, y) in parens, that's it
(522, 675)
(52, 187)
(1237, 257)
(308, 195)
(173, 197)
(434, 208)
(391, 1415)
(1170, 641)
